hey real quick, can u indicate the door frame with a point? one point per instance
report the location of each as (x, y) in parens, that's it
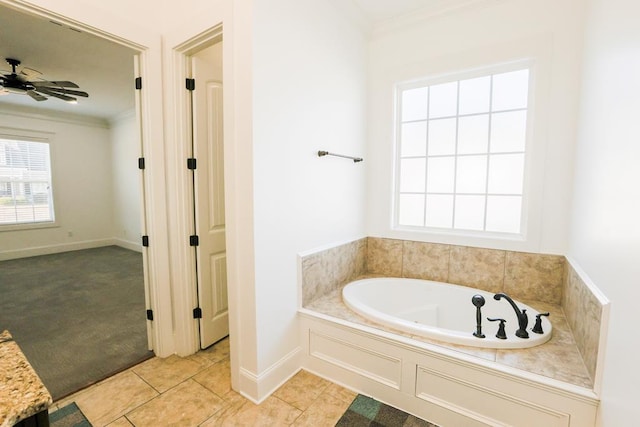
(188, 340)
(91, 20)
(233, 18)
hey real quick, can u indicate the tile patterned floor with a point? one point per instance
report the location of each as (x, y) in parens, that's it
(196, 391)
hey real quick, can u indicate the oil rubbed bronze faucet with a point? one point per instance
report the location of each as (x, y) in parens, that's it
(478, 301)
(523, 319)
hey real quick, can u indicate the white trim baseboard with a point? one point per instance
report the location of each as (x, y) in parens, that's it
(257, 387)
(57, 248)
(127, 244)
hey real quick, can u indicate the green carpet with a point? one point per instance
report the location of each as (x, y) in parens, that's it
(69, 416)
(78, 317)
(365, 411)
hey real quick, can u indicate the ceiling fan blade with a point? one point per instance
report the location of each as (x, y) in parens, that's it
(54, 94)
(36, 96)
(56, 83)
(65, 91)
(30, 72)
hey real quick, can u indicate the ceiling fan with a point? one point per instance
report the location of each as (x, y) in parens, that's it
(28, 82)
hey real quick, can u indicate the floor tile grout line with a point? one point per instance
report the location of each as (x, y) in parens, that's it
(160, 393)
(124, 414)
(325, 390)
(209, 390)
(208, 363)
(289, 404)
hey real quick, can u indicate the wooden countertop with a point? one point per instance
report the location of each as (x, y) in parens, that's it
(22, 393)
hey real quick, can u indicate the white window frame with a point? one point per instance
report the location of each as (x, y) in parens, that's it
(40, 137)
(528, 150)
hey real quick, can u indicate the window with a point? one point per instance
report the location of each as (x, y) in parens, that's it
(461, 153)
(25, 182)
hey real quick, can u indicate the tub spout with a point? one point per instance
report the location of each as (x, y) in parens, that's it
(523, 319)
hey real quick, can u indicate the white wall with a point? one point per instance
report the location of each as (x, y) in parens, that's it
(125, 175)
(548, 31)
(81, 172)
(309, 94)
(605, 236)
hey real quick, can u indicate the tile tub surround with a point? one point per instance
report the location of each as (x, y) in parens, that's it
(522, 275)
(584, 314)
(532, 278)
(327, 270)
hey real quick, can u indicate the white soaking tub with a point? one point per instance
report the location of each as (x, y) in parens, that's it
(441, 311)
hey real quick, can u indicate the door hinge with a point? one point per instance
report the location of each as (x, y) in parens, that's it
(141, 163)
(191, 163)
(197, 313)
(149, 314)
(145, 241)
(191, 84)
(138, 83)
(194, 240)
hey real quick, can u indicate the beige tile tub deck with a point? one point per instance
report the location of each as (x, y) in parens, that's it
(559, 358)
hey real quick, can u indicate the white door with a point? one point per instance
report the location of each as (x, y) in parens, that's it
(209, 194)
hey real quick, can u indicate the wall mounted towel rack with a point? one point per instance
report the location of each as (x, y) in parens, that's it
(326, 153)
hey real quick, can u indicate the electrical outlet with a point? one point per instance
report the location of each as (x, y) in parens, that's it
(70, 233)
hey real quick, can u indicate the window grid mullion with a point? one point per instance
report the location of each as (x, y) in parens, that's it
(486, 183)
(426, 163)
(455, 158)
(510, 110)
(465, 155)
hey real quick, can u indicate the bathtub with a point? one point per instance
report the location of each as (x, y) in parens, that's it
(440, 311)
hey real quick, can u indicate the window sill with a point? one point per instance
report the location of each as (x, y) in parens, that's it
(502, 241)
(28, 226)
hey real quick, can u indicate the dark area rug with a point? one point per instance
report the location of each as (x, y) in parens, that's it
(78, 317)
(365, 411)
(69, 416)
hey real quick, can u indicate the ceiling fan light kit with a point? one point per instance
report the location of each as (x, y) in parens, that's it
(40, 90)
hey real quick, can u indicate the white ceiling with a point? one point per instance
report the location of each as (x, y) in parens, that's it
(101, 68)
(379, 11)
(104, 69)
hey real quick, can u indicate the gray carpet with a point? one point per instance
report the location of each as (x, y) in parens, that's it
(78, 316)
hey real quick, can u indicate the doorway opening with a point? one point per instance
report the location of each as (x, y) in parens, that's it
(72, 238)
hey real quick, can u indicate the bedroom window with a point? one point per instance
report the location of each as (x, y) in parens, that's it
(461, 153)
(25, 182)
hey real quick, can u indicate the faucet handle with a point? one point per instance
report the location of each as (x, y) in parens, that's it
(501, 333)
(537, 328)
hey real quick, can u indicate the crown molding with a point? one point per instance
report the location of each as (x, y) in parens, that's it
(124, 115)
(51, 115)
(437, 9)
(354, 15)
